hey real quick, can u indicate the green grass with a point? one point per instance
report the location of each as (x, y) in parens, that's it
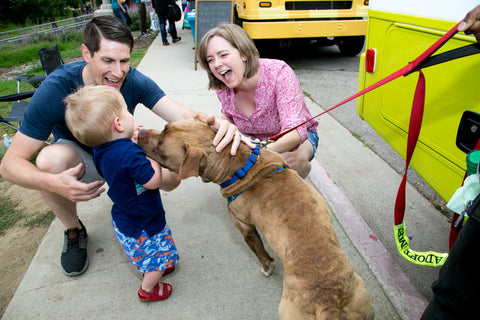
(39, 219)
(21, 53)
(27, 54)
(137, 56)
(359, 138)
(9, 212)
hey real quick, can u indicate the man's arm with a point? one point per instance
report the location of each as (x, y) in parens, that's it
(17, 168)
(170, 110)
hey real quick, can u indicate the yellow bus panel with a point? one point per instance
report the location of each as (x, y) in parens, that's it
(301, 18)
(451, 88)
(304, 29)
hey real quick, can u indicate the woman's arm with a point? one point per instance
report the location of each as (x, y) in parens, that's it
(290, 104)
(286, 143)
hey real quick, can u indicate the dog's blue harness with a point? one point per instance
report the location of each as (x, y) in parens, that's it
(242, 172)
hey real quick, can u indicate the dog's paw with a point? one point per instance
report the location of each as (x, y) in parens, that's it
(271, 268)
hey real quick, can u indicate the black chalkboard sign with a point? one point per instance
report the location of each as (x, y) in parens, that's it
(208, 15)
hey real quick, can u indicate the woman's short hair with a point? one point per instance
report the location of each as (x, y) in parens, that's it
(90, 113)
(106, 27)
(240, 40)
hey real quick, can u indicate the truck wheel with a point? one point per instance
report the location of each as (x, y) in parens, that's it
(236, 19)
(350, 46)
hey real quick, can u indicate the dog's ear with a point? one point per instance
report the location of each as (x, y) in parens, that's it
(208, 120)
(191, 163)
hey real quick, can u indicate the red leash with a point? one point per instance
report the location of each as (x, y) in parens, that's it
(426, 59)
(411, 67)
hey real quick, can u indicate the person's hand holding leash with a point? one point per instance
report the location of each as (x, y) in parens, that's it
(471, 23)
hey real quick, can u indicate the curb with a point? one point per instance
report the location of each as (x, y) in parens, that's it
(406, 298)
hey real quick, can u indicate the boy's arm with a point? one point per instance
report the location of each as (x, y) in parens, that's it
(163, 178)
(170, 180)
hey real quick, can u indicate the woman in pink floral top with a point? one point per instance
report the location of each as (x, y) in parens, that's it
(262, 97)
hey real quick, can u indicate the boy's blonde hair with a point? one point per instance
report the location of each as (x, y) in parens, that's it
(90, 113)
(240, 40)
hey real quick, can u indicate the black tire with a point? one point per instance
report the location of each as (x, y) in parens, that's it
(236, 19)
(350, 46)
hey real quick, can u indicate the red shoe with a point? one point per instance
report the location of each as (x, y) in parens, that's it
(154, 296)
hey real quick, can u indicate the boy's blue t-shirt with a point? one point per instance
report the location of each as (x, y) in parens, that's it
(45, 113)
(126, 168)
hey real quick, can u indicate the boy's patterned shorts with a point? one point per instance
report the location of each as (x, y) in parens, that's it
(156, 253)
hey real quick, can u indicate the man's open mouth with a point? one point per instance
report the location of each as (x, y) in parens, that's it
(112, 82)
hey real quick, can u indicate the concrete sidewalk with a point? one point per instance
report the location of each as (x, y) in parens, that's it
(218, 277)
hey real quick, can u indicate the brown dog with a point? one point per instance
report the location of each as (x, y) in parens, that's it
(319, 281)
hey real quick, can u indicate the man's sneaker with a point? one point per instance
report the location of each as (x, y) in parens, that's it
(165, 43)
(175, 40)
(74, 257)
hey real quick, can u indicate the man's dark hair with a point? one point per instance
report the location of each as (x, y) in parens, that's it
(106, 27)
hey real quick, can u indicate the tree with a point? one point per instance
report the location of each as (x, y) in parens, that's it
(35, 11)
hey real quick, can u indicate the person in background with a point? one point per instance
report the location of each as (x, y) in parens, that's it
(98, 117)
(119, 8)
(161, 8)
(63, 171)
(457, 289)
(262, 97)
(142, 17)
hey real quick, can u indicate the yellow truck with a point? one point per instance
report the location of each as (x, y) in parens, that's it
(398, 32)
(341, 23)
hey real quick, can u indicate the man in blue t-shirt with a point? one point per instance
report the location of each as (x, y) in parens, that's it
(64, 171)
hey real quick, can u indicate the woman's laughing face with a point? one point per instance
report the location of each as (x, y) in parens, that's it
(225, 62)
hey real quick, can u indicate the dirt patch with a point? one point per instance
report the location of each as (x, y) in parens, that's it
(142, 42)
(19, 243)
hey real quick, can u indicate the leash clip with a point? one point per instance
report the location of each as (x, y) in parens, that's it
(463, 214)
(263, 144)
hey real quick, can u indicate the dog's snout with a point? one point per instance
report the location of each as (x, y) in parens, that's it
(142, 133)
(142, 138)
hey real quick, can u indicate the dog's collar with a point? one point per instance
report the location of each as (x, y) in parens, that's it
(242, 172)
(231, 198)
